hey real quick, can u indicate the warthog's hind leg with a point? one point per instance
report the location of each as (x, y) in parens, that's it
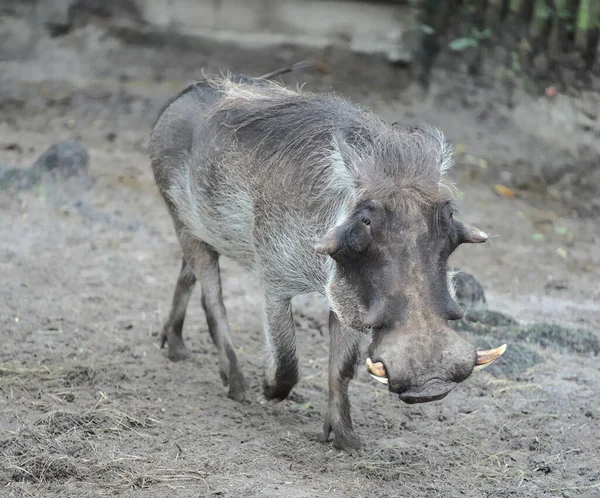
(201, 262)
(173, 328)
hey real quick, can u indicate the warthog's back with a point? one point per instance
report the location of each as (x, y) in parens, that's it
(260, 172)
(245, 164)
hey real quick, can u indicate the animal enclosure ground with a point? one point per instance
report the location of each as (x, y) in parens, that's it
(90, 406)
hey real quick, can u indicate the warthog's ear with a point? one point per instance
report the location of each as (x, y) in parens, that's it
(351, 237)
(468, 234)
(345, 143)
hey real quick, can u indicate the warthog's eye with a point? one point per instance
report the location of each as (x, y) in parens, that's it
(447, 211)
(366, 220)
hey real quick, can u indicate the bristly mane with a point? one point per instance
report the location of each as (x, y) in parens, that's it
(324, 138)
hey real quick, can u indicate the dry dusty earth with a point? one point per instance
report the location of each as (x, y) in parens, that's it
(90, 406)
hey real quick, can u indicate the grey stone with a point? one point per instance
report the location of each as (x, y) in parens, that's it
(64, 159)
(60, 174)
(15, 178)
(56, 12)
(469, 292)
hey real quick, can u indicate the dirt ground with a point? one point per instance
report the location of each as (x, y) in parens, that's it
(90, 406)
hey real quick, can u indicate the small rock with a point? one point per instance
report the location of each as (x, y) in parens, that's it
(15, 178)
(13, 146)
(469, 292)
(66, 159)
(56, 16)
(60, 174)
(556, 285)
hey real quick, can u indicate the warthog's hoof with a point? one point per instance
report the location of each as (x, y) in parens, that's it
(237, 386)
(344, 438)
(178, 352)
(177, 349)
(277, 391)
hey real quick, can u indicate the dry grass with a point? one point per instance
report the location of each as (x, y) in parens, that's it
(65, 446)
(62, 446)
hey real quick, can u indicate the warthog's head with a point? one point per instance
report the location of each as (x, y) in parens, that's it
(390, 276)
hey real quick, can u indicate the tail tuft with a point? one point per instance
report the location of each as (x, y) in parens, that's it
(317, 64)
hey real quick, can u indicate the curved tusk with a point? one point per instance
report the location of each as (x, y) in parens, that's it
(486, 358)
(469, 234)
(383, 380)
(376, 369)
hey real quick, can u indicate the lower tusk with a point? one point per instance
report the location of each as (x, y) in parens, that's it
(377, 371)
(383, 380)
(486, 358)
(376, 368)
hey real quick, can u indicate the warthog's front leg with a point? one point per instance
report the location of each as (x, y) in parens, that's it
(344, 351)
(282, 365)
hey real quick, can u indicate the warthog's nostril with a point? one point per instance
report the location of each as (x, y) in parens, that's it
(453, 312)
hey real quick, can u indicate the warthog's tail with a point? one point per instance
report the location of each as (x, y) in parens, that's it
(298, 66)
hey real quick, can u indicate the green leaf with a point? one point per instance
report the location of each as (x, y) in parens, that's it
(539, 237)
(461, 44)
(482, 35)
(516, 64)
(305, 406)
(428, 30)
(560, 230)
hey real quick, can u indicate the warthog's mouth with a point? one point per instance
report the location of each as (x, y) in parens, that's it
(433, 389)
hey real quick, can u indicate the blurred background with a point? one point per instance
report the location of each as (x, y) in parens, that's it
(88, 258)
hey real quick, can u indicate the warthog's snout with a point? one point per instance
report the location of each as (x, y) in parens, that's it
(424, 367)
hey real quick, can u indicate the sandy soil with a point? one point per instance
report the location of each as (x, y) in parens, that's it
(90, 406)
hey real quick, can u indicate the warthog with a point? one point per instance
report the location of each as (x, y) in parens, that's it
(315, 194)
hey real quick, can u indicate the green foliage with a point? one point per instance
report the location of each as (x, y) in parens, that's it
(524, 27)
(472, 41)
(541, 11)
(516, 63)
(587, 20)
(426, 29)
(482, 35)
(461, 44)
(584, 14)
